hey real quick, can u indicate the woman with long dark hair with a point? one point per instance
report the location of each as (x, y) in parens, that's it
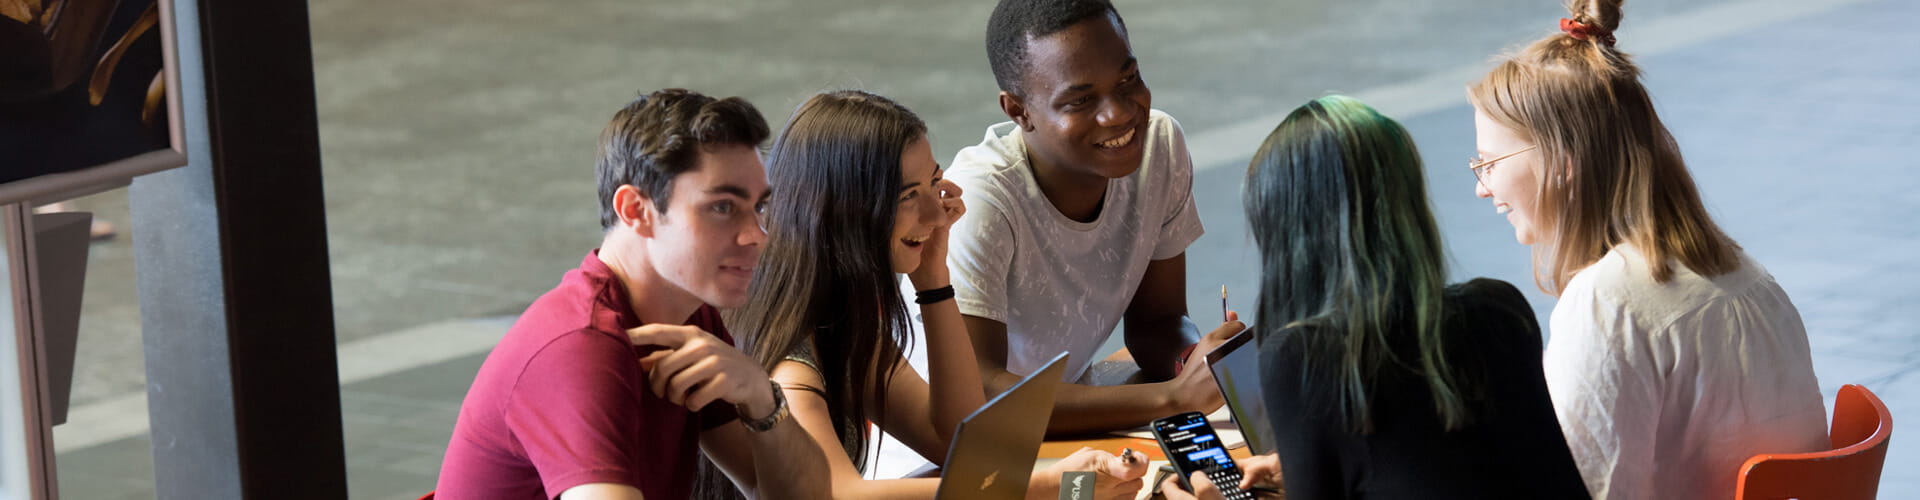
(1382, 380)
(858, 200)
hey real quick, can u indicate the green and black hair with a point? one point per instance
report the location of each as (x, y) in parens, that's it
(1352, 261)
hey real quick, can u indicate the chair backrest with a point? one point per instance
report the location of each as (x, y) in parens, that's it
(1862, 427)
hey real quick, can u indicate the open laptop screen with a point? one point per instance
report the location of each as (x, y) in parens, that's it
(1236, 368)
(993, 450)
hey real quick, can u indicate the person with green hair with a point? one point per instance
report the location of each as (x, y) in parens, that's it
(1382, 379)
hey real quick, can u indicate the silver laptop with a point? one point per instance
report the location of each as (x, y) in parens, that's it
(1236, 368)
(994, 449)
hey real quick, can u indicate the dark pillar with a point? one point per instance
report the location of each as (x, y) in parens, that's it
(231, 257)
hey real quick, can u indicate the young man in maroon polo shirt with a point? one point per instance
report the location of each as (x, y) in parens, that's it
(610, 383)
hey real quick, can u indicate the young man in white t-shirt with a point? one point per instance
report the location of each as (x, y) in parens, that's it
(1082, 213)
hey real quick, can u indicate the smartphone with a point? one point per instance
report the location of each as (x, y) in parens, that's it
(1191, 445)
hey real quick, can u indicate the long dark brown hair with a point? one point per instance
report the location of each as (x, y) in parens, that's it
(826, 274)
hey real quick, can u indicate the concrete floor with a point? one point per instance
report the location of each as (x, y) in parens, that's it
(458, 140)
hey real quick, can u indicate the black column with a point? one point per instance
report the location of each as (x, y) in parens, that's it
(231, 261)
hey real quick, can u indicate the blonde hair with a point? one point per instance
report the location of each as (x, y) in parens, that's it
(1612, 173)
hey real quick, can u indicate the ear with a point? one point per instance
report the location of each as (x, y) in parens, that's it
(1015, 109)
(635, 209)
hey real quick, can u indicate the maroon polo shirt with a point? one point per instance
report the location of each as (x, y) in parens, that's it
(562, 402)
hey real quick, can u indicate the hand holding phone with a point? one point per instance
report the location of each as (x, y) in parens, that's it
(1260, 470)
(1192, 446)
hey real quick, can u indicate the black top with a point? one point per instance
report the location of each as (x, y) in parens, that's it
(1512, 447)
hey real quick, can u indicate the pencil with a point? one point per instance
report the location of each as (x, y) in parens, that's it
(1223, 303)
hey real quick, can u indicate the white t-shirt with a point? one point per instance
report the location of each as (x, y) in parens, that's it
(1664, 390)
(1061, 285)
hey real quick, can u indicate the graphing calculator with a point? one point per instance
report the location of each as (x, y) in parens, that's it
(1191, 445)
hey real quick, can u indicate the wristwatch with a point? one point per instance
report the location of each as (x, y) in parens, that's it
(765, 424)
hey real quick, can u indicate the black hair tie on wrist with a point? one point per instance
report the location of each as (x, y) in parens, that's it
(925, 297)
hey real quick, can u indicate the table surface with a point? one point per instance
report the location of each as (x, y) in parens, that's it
(1118, 368)
(1115, 369)
(1055, 449)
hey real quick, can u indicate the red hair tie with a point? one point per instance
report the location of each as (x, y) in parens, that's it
(1583, 31)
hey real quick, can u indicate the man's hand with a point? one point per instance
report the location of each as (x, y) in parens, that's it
(696, 369)
(1261, 470)
(1117, 478)
(1194, 389)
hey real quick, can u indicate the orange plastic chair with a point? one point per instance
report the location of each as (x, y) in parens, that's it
(1861, 428)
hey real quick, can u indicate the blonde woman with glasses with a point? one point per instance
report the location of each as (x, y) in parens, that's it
(1673, 356)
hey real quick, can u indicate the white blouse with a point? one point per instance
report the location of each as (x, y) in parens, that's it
(1664, 389)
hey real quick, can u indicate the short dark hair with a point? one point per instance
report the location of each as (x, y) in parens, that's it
(1015, 21)
(658, 137)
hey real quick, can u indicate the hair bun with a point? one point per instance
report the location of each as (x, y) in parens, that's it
(1604, 15)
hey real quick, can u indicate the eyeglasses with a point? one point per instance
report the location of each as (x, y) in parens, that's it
(1482, 167)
